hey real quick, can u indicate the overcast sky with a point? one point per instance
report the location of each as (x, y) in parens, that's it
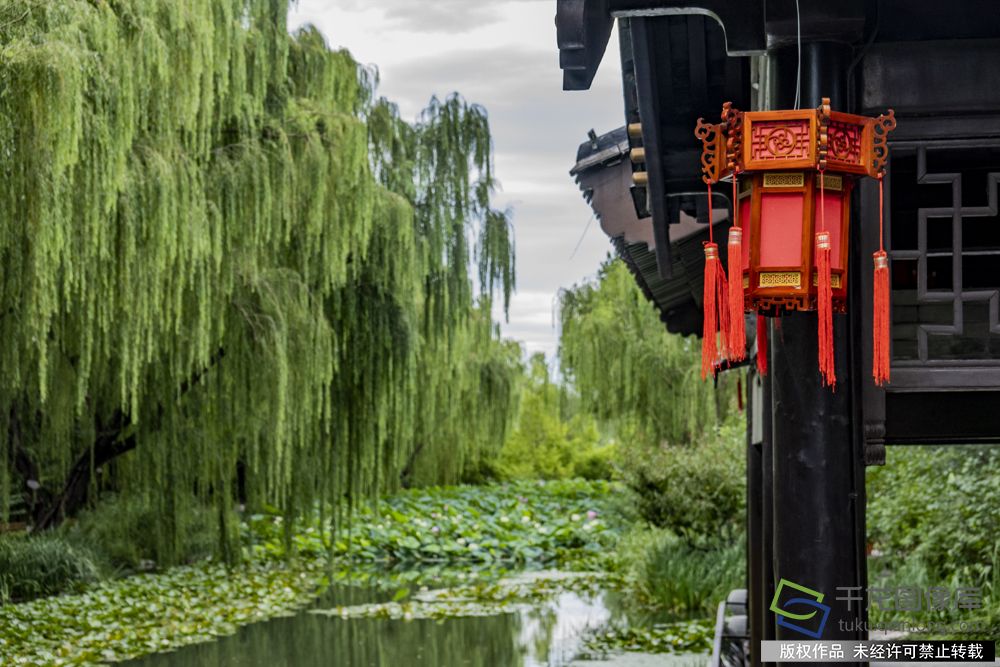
(502, 55)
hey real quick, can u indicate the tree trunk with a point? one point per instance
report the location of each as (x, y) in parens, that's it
(109, 445)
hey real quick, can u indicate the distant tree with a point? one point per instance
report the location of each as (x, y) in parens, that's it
(628, 370)
(550, 442)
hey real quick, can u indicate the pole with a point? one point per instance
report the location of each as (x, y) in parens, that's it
(818, 477)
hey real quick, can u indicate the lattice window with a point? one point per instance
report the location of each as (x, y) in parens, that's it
(945, 246)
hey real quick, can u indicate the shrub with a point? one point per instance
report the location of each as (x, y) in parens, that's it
(933, 518)
(596, 463)
(676, 575)
(33, 566)
(938, 504)
(549, 443)
(696, 489)
(130, 533)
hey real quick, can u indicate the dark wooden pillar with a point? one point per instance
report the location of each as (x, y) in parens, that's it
(818, 475)
(755, 497)
(760, 515)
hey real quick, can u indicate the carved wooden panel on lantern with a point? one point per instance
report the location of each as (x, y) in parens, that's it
(779, 140)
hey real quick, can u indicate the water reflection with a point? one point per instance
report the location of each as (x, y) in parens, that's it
(310, 641)
(547, 635)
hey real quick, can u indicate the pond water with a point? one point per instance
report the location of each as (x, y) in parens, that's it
(545, 634)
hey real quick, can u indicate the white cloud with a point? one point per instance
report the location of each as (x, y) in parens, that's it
(502, 55)
(440, 16)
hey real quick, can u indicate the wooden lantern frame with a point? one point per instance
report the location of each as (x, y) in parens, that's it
(788, 153)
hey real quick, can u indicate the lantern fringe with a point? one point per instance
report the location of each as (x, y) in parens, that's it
(716, 314)
(761, 345)
(880, 326)
(737, 335)
(824, 308)
(722, 303)
(880, 301)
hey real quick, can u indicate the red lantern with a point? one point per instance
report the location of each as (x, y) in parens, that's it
(792, 175)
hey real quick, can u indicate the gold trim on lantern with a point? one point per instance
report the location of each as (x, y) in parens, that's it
(831, 182)
(779, 279)
(784, 180)
(834, 280)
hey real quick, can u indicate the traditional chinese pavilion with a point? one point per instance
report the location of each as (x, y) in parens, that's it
(937, 64)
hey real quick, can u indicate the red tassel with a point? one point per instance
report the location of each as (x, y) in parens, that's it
(881, 318)
(737, 338)
(737, 333)
(761, 345)
(710, 308)
(722, 303)
(880, 330)
(880, 299)
(824, 308)
(714, 305)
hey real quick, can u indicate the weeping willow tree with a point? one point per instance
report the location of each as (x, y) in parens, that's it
(628, 370)
(227, 267)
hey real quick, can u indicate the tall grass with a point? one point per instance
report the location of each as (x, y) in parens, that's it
(678, 576)
(33, 566)
(120, 529)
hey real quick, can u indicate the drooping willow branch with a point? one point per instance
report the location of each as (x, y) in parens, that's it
(627, 368)
(180, 178)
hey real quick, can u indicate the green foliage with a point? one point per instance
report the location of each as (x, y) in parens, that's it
(119, 530)
(682, 636)
(675, 575)
(549, 443)
(33, 566)
(527, 522)
(681, 448)
(629, 371)
(489, 598)
(933, 517)
(597, 462)
(697, 489)
(119, 619)
(220, 247)
(940, 505)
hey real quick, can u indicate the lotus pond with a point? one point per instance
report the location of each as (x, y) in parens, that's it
(515, 575)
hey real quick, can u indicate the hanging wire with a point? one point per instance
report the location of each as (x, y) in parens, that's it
(881, 211)
(736, 200)
(822, 201)
(583, 236)
(798, 67)
(710, 238)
